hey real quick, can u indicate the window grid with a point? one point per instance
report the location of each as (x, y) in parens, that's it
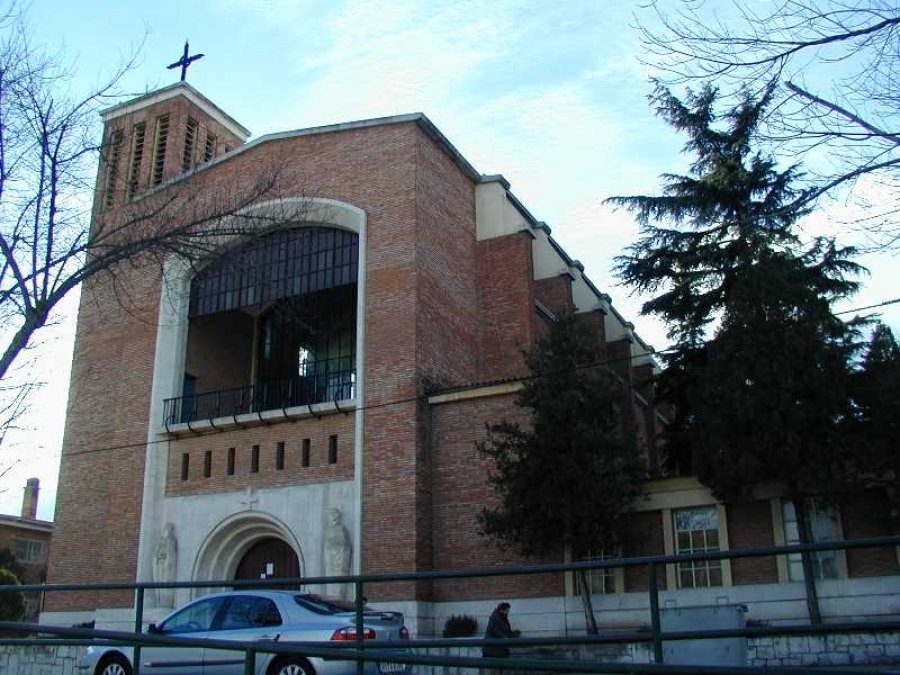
(138, 136)
(159, 148)
(30, 551)
(598, 580)
(697, 531)
(113, 154)
(281, 265)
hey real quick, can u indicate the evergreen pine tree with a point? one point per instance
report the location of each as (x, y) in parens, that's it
(566, 482)
(759, 373)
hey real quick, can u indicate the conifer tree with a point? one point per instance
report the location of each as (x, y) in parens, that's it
(565, 483)
(759, 372)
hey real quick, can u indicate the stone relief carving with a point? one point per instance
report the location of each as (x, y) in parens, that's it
(165, 565)
(338, 553)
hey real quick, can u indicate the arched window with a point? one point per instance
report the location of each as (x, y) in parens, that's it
(272, 324)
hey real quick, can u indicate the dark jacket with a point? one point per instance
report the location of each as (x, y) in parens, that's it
(498, 627)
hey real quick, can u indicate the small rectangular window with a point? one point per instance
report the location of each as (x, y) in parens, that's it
(230, 468)
(209, 150)
(30, 551)
(697, 531)
(306, 447)
(113, 152)
(159, 149)
(279, 456)
(185, 465)
(190, 143)
(254, 460)
(138, 135)
(207, 464)
(332, 449)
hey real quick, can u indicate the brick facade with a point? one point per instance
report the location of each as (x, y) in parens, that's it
(447, 306)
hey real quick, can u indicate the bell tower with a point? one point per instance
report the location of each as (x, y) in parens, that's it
(155, 138)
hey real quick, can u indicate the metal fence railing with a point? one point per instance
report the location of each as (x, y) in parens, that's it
(362, 650)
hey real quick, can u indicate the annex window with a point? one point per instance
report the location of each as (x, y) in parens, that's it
(824, 526)
(697, 531)
(230, 466)
(160, 141)
(113, 153)
(207, 464)
(254, 459)
(185, 465)
(190, 143)
(138, 135)
(279, 456)
(30, 551)
(209, 149)
(597, 580)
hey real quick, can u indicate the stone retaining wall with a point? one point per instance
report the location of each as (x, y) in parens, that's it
(830, 650)
(827, 650)
(39, 660)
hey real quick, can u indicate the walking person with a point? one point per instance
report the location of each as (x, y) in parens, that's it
(498, 628)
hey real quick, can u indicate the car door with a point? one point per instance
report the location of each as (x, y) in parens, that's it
(196, 620)
(249, 618)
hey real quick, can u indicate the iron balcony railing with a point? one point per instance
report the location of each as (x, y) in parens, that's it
(362, 651)
(274, 395)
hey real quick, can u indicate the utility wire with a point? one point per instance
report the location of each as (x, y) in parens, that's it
(413, 399)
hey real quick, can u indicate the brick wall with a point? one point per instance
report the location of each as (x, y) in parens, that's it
(863, 516)
(555, 293)
(460, 490)
(506, 304)
(749, 525)
(318, 431)
(218, 363)
(645, 538)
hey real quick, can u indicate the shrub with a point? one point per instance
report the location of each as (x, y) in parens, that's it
(460, 626)
(12, 605)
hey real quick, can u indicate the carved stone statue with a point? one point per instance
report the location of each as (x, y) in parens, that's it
(338, 553)
(165, 565)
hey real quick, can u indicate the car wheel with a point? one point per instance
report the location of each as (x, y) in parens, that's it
(114, 665)
(291, 666)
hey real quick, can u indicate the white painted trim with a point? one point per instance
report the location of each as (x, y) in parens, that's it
(263, 418)
(479, 392)
(172, 91)
(169, 360)
(221, 551)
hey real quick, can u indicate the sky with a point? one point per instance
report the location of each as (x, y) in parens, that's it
(551, 95)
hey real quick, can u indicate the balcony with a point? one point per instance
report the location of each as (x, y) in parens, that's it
(258, 398)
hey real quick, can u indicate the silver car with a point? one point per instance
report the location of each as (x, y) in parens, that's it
(255, 616)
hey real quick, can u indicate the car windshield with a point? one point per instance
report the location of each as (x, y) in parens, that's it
(325, 605)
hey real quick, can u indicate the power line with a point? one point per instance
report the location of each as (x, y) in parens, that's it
(861, 309)
(477, 385)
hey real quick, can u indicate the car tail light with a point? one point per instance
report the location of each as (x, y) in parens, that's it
(404, 633)
(349, 633)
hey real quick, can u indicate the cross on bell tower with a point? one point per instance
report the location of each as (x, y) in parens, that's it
(185, 61)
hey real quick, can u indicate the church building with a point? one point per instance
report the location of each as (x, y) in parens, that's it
(303, 397)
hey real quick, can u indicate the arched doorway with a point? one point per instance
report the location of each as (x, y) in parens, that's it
(269, 558)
